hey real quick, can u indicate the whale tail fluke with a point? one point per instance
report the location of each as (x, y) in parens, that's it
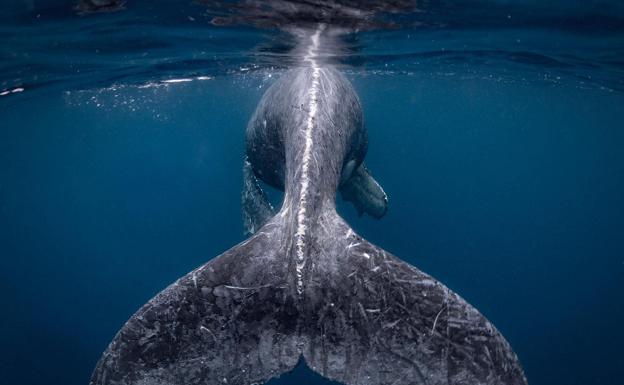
(364, 317)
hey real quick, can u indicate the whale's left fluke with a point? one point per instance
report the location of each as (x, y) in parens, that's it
(231, 321)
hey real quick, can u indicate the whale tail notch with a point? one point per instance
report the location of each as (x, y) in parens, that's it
(364, 317)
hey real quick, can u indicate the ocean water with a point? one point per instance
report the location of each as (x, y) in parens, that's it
(495, 127)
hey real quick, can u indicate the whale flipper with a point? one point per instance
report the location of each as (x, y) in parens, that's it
(365, 193)
(374, 319)
(257, 209)
(231, 321)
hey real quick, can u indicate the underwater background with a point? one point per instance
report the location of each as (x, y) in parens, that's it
(495, 127)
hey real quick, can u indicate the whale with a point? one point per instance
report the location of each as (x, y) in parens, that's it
(304, 285)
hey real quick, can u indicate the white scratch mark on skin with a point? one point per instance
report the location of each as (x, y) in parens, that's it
(366, 255)
(205, 329)
(436, 319)
(349, 233)
(245, 288)
(307, 155)
(390, 325)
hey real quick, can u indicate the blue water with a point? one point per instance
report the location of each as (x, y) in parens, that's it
(496, 128)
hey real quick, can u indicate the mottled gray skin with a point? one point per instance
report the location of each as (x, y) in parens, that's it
(363, 316)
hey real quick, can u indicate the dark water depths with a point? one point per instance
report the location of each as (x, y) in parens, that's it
(496, 128)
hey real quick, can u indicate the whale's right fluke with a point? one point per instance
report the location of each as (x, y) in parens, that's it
(374, 319)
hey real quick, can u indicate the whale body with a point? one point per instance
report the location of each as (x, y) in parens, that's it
(305, 285)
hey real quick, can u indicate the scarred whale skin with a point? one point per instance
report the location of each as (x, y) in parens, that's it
(305, 285)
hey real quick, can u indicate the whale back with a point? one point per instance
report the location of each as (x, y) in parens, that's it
(282, 114)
